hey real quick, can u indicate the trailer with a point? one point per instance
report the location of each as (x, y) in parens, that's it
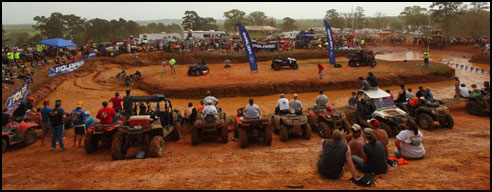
(146, 37)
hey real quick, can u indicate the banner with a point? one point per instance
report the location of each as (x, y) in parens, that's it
(247, 46)
(18, 95)
(268, 46)
(91, 55)
(331, 48)
(307, 35)
(65, 68)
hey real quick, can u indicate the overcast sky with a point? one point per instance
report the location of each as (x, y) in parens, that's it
(23, 12)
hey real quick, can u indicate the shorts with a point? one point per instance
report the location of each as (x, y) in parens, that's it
(79, 129)
(46, 128)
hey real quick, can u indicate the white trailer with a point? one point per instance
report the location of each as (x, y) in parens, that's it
(205, 34)
(146, 37)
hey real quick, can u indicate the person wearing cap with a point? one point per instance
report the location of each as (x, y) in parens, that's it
(320, 70)
(56, 117)
(209, 109)
(321, 100)
(364, 85)
(46, 125)
(373, 81)
(209, 96)
(356, 142)
(421, 93)
(376, 159)
(19, 111)
(409, 142)
(334, 154)
(402, 95)
(296, 105)
(282, 105)
(89, 120)
(78, 120)
(116, 100)
(380, 134)
(106, 114)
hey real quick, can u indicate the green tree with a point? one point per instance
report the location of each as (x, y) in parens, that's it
(444, 13)
(257, 18)
(50, 27)
(234, 17)
(334, 19)
(207, 24)
(289, 24)
(98, 30)
(359, 17)
(396, 25)
(74, 28)
(191, 20)
(415, 17)
(380, 21)
(271, 21)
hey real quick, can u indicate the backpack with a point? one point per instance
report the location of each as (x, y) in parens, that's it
(365, 181)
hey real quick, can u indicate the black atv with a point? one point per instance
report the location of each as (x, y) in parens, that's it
(198, 69)
(476, 106)
(280, 62)
(361, 59)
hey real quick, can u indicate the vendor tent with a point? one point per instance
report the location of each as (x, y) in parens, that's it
(57, 42)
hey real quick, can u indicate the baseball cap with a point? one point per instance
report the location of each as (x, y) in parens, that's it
(368, 132)
(373, 122)
(46, 101)
(356, 127)
(282, 94)
(336, 135)
(295, 94)
(79, 104)
(31, 99)
(87, 112)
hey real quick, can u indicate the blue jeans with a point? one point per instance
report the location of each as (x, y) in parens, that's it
(57, 134)
(358, 162)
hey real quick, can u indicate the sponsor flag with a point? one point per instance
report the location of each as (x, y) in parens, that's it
(483, 71)
(462, 67)
(331, 48)
(17, 95)
(248, 47)
(471, 68)
(466, 68)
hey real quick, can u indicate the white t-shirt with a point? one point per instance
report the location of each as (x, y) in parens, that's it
(283, 104)
(209, 109)
(411, 145)
(464, 92)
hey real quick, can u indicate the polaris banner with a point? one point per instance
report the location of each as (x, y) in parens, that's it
(331, 48)
(307, 35)
(91, 55)
(18, 95)
(248, 47)
(268, 46)
(65, 68)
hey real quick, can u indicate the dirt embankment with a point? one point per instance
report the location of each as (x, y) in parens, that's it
(483, 59)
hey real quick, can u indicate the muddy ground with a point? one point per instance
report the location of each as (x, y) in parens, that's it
(457, 158)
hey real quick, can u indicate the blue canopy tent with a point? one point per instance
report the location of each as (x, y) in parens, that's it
(57, 42)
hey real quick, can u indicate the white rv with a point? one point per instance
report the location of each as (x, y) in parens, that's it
(204, 34)
(146, 37)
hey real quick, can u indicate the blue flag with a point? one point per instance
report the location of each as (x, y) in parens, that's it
(331, 48)
(471, 69)
(483, 71)
(457, 65)
(250, 53)
(466, 68)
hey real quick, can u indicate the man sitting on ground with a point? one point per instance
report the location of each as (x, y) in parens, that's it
(333, 155)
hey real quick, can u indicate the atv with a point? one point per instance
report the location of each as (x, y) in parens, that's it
(426, 113)
(476, 106)
(325, 120)
(361, 59)
(18, 132)
(368, 106)
(280, 62)
(148, 129)
(130, 79)
(210, 125)
(251, 128)
(291, 123)
(102, 132)
(198, 69)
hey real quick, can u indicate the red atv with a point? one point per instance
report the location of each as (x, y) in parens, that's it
(252, 128)
(326, 120)
(18, 132)
(104, 133)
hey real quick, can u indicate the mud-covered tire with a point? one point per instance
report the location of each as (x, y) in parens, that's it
(90, 143)
(425, 121)
(346, 126)
(306, 131)
(352, 117)
(194, 135)
(236, 134)
(176, 134)
(117, 151)
(324, 130)
(224, 136)
(448, 122)
(156, 148)
(243, 137)
(4, 145)
(387, 128)
(268, 134)
(30, 138)
(283, 132)
(197, 72)
(190, 72)
(276, 66)
(473, 108)
(295, 66)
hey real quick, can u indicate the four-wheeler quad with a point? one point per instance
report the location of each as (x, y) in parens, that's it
(280, 62)
(252, 128)
(361, 59)
(476, 105)
(147, 129)
(198, 69)
(326, 120)
(104, 133)
(426, 113)
(18, 132)
(370, 105)
(210, 125)
(292, 123)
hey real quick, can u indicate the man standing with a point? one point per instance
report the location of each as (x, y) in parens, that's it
(44, 119)
(426, 58)
(78, 121)
(116, 100)
(209, 96)
(171, 63)
(283, 104)
(56, 117)
(164, 63)
(296, 105)
(106, 114)
(320, 70)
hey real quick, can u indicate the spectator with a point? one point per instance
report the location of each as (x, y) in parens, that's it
(380, 134)
(373, 81)
(356, 142)
(19, 111)
(464, 93)
(409, 94)
(188, 114)
(164, 63)
(333, 155)
(282, 105)
(376, 159)
(320, 70)
(56, 117)
(116, 100)
(422, 93)
(475, 89)
(89, 120)
(457, 88)
(78, 120)
(402, 95)
(363, 84)
(171, 63)
(46, 125)
(106, 114)
(296, 105)
(388, 100)
(409, 142)
(430, 95)
(202, 105)
(352, 101)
